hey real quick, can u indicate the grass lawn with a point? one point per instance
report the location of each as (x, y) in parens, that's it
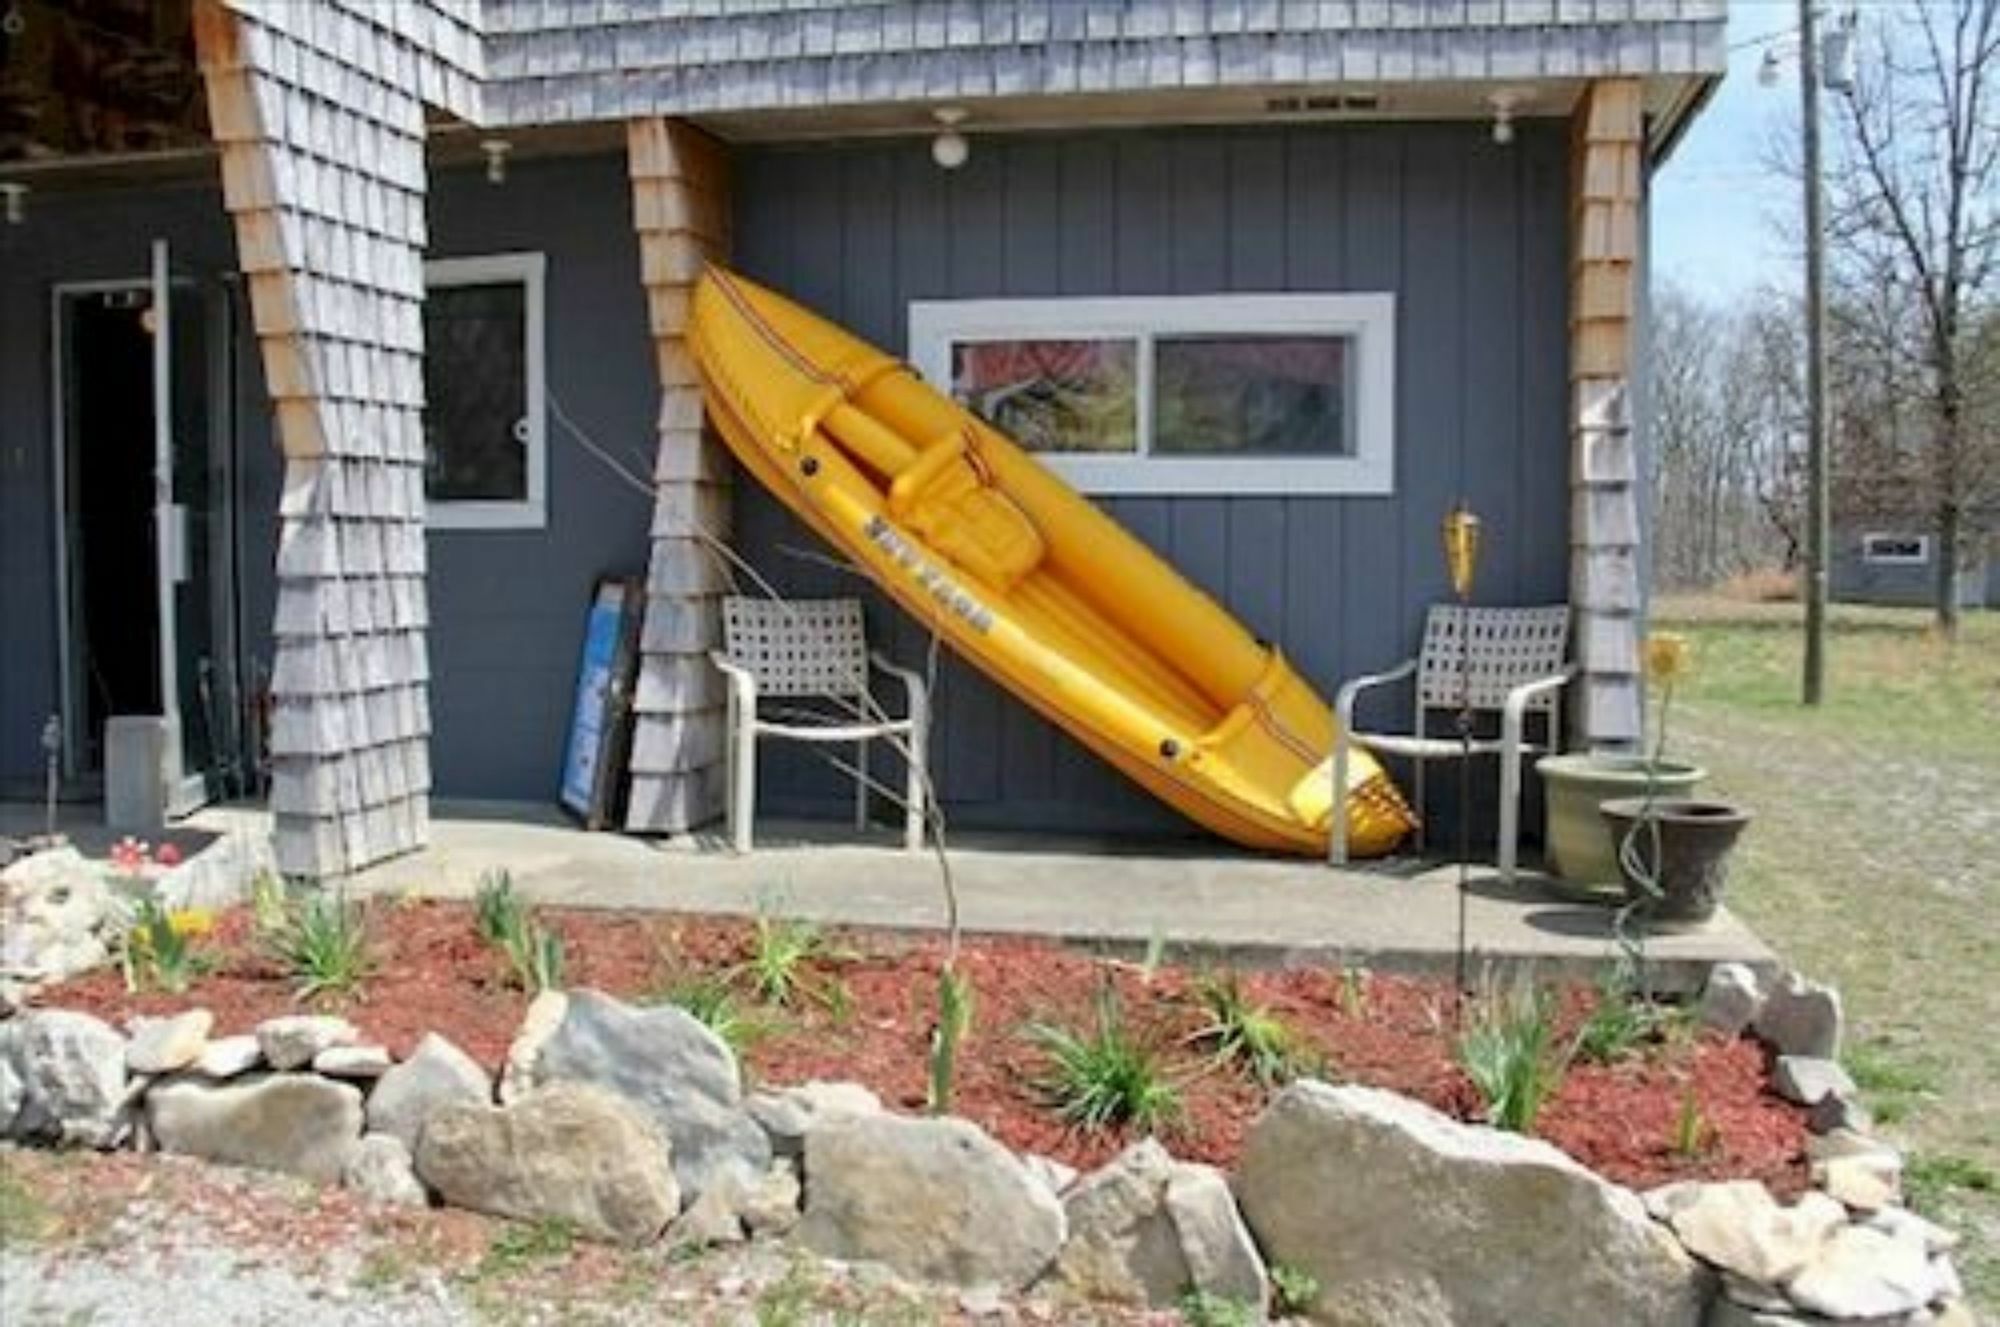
(1874, 862)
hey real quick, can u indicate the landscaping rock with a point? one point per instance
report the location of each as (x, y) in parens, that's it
(436, 1074)
(1739, 1227)
(1838, 1114)
(1901, 1223)
(569, 1152)
(292, 1041)
(1221, 1256)
(1731, 1000)
(1864, 1273)
(787, 1114)
(1801, 1017)
(544, 1015)
(771, 1206)
(932, 1199)
(1145, 1229)
(713, 1219)
(228, 1057)
(382, 1171)
(1866, 1183)
(1845, 1143)
(662, 1060)
(1053, 1174)
(297, 1123)
(366, 1062)
(13, 1088)
(58, 917)
(1807, 1081)
(72, 1080)
(162, 1045)
(1404, 1215)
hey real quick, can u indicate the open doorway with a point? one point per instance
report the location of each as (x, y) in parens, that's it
(127, 583)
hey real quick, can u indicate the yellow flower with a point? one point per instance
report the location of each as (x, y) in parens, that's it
(1668, 657)
(191, 923)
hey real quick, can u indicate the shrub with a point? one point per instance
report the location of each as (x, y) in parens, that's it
(710, 1002)
(776, 970)
(1242, 1032)
(324, 943)
(496, 909)
(1107, 1075)
(159, 949)
(1200, 1309)
(1294, 1290)
(954, 1022)
(536, 955)
(1618, 1022)
(1508, 1053)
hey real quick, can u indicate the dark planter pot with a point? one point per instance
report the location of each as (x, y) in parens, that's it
(1695, 841)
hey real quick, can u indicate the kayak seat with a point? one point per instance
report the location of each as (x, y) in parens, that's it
(944, 496)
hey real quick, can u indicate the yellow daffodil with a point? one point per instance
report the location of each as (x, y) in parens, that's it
(191, 923)
(1668, 657)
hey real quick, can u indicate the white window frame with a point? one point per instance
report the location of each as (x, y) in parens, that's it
(530, 271)
(1919, 558)
(1368, 317)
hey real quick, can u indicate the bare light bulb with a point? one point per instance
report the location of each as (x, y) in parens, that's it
(949, 149)
(496, 150)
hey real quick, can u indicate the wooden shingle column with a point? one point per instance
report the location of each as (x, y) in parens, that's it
(680, 207)
(1605, 182)
(316, 111)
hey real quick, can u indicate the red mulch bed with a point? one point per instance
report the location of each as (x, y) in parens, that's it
(433, 973)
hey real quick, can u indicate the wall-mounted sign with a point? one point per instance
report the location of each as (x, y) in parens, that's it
(600, 726)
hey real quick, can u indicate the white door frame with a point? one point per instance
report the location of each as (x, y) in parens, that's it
(157, 278)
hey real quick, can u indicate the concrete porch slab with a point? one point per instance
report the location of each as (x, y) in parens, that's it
(1111, 895)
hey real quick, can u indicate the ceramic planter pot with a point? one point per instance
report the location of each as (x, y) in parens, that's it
(1579, 847)
(1693, 845)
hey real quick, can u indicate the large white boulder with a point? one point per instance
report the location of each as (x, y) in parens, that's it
(1406, 1216)
(58, 916)
(662, 1060)
(932, 1199)
(298, 1123)
(568, 1152)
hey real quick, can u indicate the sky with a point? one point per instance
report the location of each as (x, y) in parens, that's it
(1719, 211)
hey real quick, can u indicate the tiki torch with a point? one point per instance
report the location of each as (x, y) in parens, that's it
(1461, 557)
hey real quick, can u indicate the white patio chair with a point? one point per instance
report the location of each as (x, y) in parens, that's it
(1517, 665)
(813, 649)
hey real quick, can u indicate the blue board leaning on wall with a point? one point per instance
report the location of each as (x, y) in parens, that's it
(600, 727)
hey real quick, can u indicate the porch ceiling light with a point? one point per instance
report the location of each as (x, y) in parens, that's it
(496, 150)
(14, 201)
(1503, 105)
(949, 149)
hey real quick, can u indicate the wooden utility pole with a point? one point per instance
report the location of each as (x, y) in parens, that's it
(1817, 521)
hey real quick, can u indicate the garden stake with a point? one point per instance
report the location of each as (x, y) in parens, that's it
(1461, 555)
(52, 760)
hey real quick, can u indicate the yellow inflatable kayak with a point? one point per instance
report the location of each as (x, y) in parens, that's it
(1026, 579)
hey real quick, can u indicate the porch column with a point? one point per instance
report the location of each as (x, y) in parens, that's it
(321, 130)
(1605, 165)
(680, 208)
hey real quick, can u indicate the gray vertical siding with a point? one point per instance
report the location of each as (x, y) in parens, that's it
(1471, 237)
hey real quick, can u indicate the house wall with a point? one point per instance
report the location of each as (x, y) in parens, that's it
(506, 606)
(1471, 237)
(1853, 579)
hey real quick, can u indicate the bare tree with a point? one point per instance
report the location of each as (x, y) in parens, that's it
(1912, 237)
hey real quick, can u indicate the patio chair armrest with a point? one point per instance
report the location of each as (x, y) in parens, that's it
(742, 682)
(1343, 700)
(913, 681)
(1513, 714)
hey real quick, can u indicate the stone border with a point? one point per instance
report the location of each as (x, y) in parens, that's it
(630, 1124)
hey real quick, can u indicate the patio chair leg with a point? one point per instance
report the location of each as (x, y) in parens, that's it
(1510, 811)
(743, 785)
(861, 784)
